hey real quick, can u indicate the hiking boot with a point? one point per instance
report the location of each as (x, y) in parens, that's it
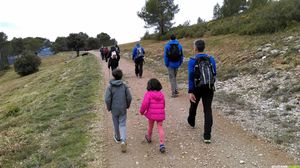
(176, 92)
(123, 146)
(148, 139)
(116, 140)
(162, 148)
(190, 123)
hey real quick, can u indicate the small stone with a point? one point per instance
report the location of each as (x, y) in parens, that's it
(137, 163)
(260, 154)
(242, 162)
(264, 57)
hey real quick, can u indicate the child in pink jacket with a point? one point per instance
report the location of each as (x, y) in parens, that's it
(153, 108)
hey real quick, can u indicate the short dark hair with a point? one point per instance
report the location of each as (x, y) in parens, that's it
(200, 45)
(173, 37)
(117, 74)
(154, 85)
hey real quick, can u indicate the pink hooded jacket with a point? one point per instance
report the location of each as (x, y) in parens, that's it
(153, 105)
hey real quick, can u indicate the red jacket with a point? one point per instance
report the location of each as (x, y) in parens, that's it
(153, 106)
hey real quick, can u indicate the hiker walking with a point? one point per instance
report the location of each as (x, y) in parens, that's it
(106, 53)
(201, 79)
(173, 58)
(153, 108)
(118, 99)
(102, 54)
(114, 58)
(138, 58)
(117, 49)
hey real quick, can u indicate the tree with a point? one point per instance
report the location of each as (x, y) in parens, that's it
(60, 44)
(217, 12)
(93, 43)
(199, 20)
(3, 58)
(76, 41)
(17, 46)
(159, 14)
(33, 44)
(231, 7)
(104, 39)
(257, 3)
(27, 64)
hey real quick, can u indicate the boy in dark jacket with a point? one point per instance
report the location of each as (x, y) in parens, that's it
(118, 99)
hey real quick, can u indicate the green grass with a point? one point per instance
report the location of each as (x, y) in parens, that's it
(44, 117)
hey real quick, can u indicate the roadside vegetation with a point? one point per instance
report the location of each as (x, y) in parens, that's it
(45, 116)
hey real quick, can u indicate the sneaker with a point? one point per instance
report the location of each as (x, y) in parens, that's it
(117, 140)
(123, 146)
(176, 92)
(206, 138)
(148, 139)
(207, 141)
(162, 148)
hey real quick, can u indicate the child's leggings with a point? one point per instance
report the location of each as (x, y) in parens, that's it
(160, 130)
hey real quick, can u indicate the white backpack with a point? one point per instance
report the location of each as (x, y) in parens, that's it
(114, 55)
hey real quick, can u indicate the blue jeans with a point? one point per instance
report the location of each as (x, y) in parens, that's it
(119, 122)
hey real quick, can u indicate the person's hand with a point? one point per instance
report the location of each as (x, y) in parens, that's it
(192, 97)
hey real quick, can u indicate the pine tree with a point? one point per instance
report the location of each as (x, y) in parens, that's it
(217, 12)
(159, 14)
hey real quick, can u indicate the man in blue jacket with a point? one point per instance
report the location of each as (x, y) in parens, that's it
(201, 75)
(173, 58)
(138, 58)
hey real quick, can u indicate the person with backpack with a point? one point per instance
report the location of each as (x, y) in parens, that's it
(138, 58)
(173, 58)
(118, 99)
(106, 53)
(114, 58)
(117, 49)
(201, 78)
(101, 52)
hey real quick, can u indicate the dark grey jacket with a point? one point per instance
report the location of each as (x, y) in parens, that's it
(117, 97)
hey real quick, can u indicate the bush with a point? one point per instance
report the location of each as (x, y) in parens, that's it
(27, 63)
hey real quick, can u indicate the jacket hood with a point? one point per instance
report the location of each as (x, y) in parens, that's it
(137, 45)
(156, 95)
(116, 82)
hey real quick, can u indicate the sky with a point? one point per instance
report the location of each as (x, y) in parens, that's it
(118, 18)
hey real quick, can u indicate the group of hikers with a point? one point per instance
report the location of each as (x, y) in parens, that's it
(112, 56)
(201, 79)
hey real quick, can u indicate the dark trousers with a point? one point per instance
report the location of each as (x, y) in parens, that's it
(207, 96)
(139, 67)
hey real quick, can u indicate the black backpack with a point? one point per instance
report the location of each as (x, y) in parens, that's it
(204, 72)
(174, 53)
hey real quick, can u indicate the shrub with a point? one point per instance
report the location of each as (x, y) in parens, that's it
(27, 63)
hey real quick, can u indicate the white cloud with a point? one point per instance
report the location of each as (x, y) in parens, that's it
(118, 18)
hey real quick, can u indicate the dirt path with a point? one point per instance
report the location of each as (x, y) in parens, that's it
(231, 146)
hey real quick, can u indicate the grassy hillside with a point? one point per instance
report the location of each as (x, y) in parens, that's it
(45, 117)
(258, 81)
(234, 53)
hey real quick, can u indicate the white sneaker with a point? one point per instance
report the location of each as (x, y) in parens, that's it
(123, 147)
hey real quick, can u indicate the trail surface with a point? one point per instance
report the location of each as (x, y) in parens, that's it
(231, 146)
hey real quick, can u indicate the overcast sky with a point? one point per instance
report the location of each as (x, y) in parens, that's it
(118, 18)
